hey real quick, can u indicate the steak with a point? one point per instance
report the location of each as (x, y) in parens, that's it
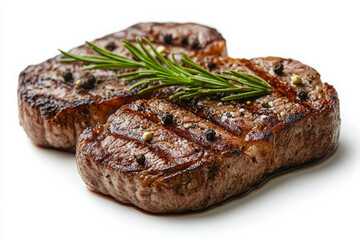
(54, 111)
(204, 151)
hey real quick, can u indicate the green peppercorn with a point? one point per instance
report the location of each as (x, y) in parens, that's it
(296, 79)
(161, 49)
(147, 136)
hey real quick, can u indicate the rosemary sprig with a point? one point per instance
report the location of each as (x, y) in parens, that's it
(195, 80)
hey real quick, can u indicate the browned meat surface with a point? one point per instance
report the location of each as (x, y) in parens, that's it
(54, 111)
(204, 151)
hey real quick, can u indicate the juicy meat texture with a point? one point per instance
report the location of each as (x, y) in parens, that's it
(211, 150)
(54, 112)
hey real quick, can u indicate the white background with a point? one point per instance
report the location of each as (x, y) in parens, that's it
(42, 195)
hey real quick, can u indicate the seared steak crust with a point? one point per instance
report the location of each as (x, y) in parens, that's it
(182, 169)
(54, 111)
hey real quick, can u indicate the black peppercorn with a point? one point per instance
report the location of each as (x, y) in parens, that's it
(168, 39)
(184, 40)
(140, 159)
(141, 107)
(302, 95)
(110, 46)
(278, 68)
(210, 135)
(67, 75)
(85, 111)
(195, 44)
(88, 83)
(167, 118)
(211, 66)
(235, 152)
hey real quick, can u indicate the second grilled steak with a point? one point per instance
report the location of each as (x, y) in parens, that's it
(54, 111)
(204, 151)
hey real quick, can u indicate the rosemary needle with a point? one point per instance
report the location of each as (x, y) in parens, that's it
(195, 80)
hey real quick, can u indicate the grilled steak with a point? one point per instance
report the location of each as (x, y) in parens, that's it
(204, 151)
(54, 111)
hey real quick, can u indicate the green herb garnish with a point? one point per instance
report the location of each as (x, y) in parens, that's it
(195, 80)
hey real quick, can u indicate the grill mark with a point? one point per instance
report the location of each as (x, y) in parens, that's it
(204, 145)
(109, 157)
(230, 128)
(158, 152)
(208, 116)
(155, 150)
(96, 135)
(280, 88)
(204, 113)
(178, 132)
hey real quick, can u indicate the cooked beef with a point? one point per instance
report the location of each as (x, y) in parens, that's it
(54, 111)
(211, 150)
